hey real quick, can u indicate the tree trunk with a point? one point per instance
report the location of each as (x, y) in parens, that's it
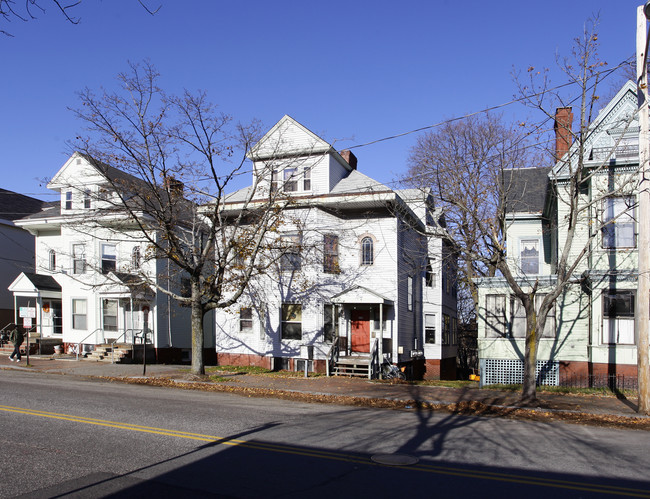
(198, 366)
(529, 389)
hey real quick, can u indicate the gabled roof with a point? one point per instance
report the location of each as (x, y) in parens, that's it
(617, 116)
(38, 282)
(288, 138)
(109, 173)
(359, 294)
(14, 206)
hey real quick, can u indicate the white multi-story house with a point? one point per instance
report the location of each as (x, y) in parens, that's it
(590, 333)
(88, 286)
(362, 270)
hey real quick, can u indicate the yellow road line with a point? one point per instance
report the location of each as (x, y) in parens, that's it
(337, 456)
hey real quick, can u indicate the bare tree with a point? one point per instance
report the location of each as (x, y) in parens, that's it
(182, 156)
(27, 10)
(479, 192)
(464, 163)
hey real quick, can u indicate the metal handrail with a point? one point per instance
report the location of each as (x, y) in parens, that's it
(79, 344)
(332, 355)
(373, 367)
(118, 339)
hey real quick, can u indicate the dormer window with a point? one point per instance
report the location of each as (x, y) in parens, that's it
(68, 200)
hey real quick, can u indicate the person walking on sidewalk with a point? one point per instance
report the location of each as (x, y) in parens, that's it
(17, 338)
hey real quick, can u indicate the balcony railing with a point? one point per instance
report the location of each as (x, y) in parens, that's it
(626, 151)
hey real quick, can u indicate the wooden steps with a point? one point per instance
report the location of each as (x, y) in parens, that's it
(352, 365)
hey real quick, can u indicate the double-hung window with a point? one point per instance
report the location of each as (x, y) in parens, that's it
(429, 328)
(291, 321)
(87, 199)
(331, 254)
(618, 222)
(291, 260)
(245, 320)
(518, 322)
(529, 256)
(79, 311)
(618, 317)
(109, 258)
(495, 316)
(429, 276)
(409, 293)
(78, 258)
(68, 200)
(109, 315)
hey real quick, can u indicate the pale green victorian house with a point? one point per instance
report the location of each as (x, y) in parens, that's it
(590, 334)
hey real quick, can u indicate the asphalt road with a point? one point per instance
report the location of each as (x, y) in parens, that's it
(68, 437)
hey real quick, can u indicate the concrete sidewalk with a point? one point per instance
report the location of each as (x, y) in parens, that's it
(334, 388)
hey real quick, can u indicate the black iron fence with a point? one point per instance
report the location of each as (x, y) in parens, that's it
(610, 382)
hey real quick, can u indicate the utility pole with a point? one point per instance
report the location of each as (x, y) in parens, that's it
(643, 289)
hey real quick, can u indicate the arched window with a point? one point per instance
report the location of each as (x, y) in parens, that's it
(52, 262)
(367, 251)
(135, 257)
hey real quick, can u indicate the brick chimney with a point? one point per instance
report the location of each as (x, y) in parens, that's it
(174, 186)
(348, 156)
(563, 125)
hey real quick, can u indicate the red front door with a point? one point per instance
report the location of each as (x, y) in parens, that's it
(360, 329)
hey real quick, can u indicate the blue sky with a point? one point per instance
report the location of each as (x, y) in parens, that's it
(351, 71)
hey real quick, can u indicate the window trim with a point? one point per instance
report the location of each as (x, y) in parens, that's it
(77, 316)
(331, 254)
(51, 260)
(367, 247)
(491, 330)
(430, 329)
(522, 241)
(629, 317)
(81, 258)
(291, 258)
(104, 261)
(285, 319)
(136, 258)
(246, 320)
(616, 221)
(115, 303)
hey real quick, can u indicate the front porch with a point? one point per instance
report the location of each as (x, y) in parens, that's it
(359, 317)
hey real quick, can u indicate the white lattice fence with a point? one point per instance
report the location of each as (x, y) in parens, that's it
(511, 372)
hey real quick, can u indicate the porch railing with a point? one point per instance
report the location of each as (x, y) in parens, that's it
(333, 355)
(374, 364)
